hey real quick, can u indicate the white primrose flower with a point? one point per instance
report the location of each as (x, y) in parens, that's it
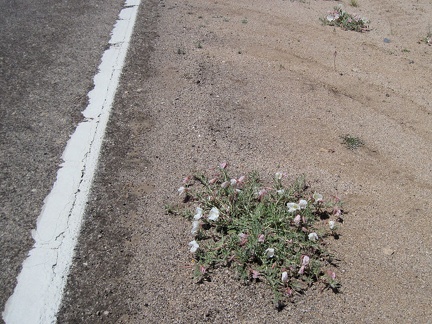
(302, 203)
(332, 225)
(198, 214)
(313, 237)
(292, 207)
(317, 197)
(269, 252)
(195, 227)
(284, 276)
(233, 182)
(214, 214)
(193, 246)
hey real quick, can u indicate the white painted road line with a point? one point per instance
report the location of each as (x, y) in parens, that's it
(37, 296)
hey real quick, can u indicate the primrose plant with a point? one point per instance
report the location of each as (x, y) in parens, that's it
(340, 18)
(274, 234)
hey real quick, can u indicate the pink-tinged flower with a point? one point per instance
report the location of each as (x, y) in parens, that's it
(297, 220)
(284, 276)
(223, 165)
(214, 214)
(270, 252)
(302, 203)
(193, 246)
(182, 190)
(202, 269)
(261, 238)
(332, 225)
(198, 213)
(225, 184)
(212, 181)
(255, 274)
(313, 237)
(292, 207)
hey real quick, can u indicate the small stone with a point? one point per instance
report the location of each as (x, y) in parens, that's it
(388, 251)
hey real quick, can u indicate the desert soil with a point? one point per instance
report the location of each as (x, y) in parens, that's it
(256, 83)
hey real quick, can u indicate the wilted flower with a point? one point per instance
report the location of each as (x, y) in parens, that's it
(284, 276)
(302, 203)
(195, 227)
(225, 184)
(331, 274)
(193, 246)
(305, 261)
(187, 179)
(182, 190)
(292, 207)
(269, 253)
(255, 274)
(332, 225)
(317, 197)
(214, 214)
(261, 238)
(198, 214)
(243, 238)
(278, 175)
(212, 181)
(261, 193)
(223, 165)
(313, 236)
(241, 180)
(297, 220)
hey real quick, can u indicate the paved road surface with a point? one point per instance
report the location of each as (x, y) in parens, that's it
(49, 53)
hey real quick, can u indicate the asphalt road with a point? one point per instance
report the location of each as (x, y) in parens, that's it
(49, 53)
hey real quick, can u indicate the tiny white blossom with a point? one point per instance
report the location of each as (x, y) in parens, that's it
(313, 237)
(269, 253)
(292, 207)
(284, 276)
(302, 203)
(193, 246)
(214, 214)
(280, 191)
(233, 182)
(198, 214)
(181, 190)
(332, 225)
(278, 175)
(317, 197)
(195, 227)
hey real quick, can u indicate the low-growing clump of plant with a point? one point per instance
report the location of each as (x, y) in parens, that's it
(352, 142)
(274, 234)
(340, 18)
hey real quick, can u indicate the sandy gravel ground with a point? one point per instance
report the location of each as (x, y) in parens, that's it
(253, 82)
